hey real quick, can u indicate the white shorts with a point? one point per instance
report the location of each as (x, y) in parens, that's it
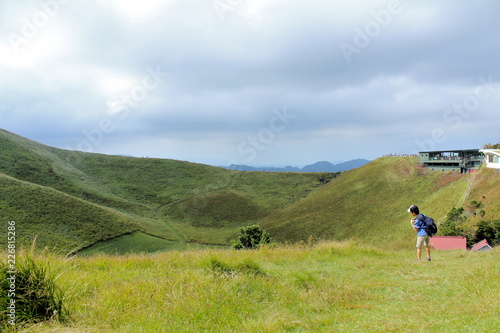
(423, 241)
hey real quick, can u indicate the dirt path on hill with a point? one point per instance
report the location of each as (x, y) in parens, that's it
(169, 225)
(469, 188)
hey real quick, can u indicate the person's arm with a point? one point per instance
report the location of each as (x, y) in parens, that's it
(413, 224)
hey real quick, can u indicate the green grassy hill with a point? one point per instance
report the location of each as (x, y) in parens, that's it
(370, 203)
(60, 219)
(100, 203)
(72, 200)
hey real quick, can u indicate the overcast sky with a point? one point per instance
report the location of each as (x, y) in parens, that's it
(259, 82)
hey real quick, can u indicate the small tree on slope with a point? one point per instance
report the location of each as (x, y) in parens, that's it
(251, 237)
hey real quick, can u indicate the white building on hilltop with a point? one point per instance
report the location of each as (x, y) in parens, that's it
(491, 158)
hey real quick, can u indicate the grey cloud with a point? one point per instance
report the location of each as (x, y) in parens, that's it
(225, 77)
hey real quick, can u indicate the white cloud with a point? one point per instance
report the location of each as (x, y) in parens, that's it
(137, 11)
(226, 76)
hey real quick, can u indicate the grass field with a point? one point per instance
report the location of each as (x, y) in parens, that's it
(328, 287)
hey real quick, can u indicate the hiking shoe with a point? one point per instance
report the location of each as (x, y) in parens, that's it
(428, 258)
(418, 260)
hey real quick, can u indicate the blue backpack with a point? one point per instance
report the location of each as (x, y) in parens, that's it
(430, 225)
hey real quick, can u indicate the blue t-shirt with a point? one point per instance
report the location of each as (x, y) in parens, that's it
(420, 224)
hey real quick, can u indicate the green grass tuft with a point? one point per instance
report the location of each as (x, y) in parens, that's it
(247, 266)
(34, 288)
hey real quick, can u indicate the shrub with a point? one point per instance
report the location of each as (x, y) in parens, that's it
(489, 230)
(33, 287)
(325, 177)
(251, 237)
(458, 224)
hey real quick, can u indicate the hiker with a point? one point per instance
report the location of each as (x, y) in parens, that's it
(417, 222)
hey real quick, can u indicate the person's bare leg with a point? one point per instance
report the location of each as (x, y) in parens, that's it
(419, 253)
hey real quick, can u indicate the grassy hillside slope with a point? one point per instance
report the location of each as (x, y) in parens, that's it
(106, 197)
(370, 203)
(64, 221)
(486, 188)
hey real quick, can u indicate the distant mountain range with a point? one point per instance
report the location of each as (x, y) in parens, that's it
(322, 166)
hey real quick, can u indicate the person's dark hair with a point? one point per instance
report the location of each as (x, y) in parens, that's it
(414, 209)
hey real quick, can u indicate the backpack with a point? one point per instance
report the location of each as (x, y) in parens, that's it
(430, 226)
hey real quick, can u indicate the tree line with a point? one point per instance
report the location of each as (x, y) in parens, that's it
(471, 222)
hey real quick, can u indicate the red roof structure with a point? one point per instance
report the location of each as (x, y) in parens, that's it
(449, 243)
(481, 246)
